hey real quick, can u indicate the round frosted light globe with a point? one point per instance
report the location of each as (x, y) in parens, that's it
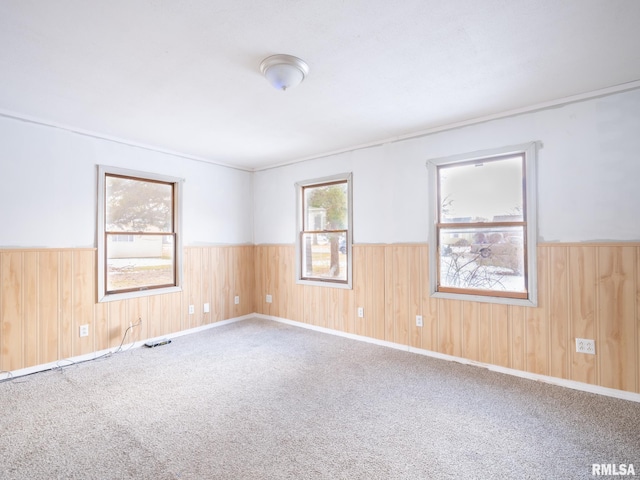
(284, 71)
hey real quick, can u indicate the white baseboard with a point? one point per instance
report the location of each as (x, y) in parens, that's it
(99, 354)
(584, 387)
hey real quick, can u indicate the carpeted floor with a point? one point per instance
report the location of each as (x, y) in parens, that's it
(262, 400)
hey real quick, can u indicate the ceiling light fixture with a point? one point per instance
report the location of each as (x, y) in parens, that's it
(284, 71)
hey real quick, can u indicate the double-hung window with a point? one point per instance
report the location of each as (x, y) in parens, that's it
(139, 241)
(483, 229)
(323, 241)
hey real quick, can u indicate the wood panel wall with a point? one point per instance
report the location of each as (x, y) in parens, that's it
(45, 295)
(585, 290)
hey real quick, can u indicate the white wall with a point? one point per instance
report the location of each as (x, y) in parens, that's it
(49, 183)
(588, 184)
(589, 172)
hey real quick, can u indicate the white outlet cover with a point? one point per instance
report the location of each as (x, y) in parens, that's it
(418, 320)
(206, 308)
(84, 330)
(360, 312)
(585, 345)
(269, 299)
(192, 309)
(236, 300)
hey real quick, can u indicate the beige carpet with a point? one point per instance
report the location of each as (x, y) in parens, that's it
(262, 400)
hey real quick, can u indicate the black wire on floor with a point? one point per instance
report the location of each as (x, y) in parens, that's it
(59, 366)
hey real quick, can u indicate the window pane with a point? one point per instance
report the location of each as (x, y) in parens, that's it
(146, 261)
(137, 205)
(324, 256)
(325, 207)
(483, 258)
(489, 191)
(122, 238)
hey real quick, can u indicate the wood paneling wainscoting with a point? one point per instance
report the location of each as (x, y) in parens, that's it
(585, 290)
(46, 294)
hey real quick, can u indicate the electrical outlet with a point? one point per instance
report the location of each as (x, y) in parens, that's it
(360, 312)
(418, 320)
(192, 309)
(206, 308)
(84, 330)
(236, 300)
(584, 345)
(269, 299)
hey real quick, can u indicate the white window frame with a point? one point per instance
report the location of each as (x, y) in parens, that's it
(300, 225)
(530, 151)
(103, 171)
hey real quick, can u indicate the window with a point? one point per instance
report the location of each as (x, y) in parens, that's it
(139, 242)
(323, 241)
(484, 226)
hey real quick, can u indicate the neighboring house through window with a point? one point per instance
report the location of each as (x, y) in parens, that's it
(324, 231)
(483, 230)
(139, 241)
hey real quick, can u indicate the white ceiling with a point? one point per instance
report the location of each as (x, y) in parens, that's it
(183, 75)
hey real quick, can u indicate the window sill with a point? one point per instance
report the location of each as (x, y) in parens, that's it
(529, 302)
(321, 283)
(111, 297)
